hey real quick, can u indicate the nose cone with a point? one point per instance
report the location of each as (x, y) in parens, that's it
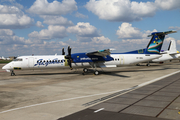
(6, 67)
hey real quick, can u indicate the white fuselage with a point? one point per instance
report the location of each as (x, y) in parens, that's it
(166, 57)
(59, 61)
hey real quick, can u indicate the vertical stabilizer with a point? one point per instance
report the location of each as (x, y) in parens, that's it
(156, 42)
(172, 47)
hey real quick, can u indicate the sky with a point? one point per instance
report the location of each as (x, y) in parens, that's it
(44, 27)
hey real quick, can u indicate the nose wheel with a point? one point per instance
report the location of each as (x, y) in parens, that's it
(12, 73)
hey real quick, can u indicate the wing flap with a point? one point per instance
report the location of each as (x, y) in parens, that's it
(101, 53)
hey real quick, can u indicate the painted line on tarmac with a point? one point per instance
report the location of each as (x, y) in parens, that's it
(98, 110)
(58, 101)
(146, 83)
(143, 84)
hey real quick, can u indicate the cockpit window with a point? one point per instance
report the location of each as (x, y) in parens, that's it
(18, 59)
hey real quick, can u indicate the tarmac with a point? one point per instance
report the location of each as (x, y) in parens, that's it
(160, 99)
(130, 92)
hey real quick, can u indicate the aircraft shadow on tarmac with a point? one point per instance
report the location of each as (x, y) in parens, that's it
(114, 73)
(102, 72)
(46, 73)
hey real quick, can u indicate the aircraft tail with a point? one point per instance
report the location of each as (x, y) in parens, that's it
(172, 47)
(156, 42)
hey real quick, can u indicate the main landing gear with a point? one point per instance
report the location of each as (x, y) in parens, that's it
(148, 64)
(85, 70)
(96, 72)
(94, 66)
(12, 73)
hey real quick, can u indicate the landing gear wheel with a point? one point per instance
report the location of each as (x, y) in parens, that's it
(12, 73)
(96, 72)
(148, 64)
(85, 70)
(138, 64)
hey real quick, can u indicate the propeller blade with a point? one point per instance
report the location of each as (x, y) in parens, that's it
(68, 57)
(63, 53)
(69, 51)
(69, 63)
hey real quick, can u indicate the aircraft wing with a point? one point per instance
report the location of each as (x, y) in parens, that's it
(101, 53)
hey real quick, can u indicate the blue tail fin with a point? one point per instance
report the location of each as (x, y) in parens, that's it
(156, 42)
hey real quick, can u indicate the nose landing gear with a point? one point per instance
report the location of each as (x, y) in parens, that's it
(12, 73)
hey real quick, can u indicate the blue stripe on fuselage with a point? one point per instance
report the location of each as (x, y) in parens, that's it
(82, 57)
(140, 51)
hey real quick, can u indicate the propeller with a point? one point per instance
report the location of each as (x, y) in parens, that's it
(69, 58)
(63, 53)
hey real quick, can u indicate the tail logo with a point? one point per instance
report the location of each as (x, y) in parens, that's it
(153, 47)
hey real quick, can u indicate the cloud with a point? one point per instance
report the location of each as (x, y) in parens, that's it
(39, 24)
(53, 32)
(126, 31)
(127, 11)
(14, 45)
(7, 37)
(101, 40)
(6, 32)
(121, 10)
(56, 20)
(12, 17)
(167, 38)
(178, 42)
(13, 3)
(83, 30)
(168, 4)
(132, 35)
(4, 9)
(43, 7)
(79, 15)
(174, 28)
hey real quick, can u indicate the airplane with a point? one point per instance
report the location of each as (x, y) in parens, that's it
(97, 59)
(3, 58)
(171, 54)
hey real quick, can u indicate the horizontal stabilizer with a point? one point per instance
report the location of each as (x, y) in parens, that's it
(163, 33)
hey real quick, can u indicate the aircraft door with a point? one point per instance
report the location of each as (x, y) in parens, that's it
(121, 59)
(31, 62)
